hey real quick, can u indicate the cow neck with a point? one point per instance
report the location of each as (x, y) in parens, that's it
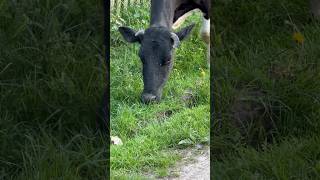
(162, 12)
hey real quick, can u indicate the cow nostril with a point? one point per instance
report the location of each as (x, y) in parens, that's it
(147, 98)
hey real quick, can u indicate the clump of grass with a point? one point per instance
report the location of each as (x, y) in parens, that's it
(291, 158)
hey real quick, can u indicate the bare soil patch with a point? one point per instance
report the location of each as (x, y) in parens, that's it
(195, 164)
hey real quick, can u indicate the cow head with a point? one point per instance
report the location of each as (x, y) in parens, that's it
(156, 54)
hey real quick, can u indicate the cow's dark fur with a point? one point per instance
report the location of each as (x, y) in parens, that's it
(158, 41)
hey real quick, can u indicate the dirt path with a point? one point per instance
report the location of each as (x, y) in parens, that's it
(194, 166)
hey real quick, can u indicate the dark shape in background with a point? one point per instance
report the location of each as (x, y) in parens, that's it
(104, 118)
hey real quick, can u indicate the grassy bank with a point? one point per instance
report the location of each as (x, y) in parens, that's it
(267, 72)
(51, 84)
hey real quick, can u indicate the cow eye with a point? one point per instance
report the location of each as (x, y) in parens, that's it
(166, 61)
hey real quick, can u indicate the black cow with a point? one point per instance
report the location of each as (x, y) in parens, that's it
(158, 41)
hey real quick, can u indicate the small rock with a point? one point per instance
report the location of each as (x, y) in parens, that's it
(116, 140)
(188, 98)
(199, 146)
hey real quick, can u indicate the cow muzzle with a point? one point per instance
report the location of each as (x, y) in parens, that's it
(149, 98)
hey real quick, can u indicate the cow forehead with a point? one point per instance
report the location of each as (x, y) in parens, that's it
(157, 33)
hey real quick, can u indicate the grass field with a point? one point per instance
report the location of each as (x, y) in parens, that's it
(51, 83)
(151, 133)
(267, 91)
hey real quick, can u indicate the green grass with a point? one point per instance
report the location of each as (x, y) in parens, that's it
(51, 83)
(257, 64)
(151, 133)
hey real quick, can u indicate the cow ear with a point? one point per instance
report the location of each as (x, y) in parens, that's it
(184, 32)
(130, 35)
